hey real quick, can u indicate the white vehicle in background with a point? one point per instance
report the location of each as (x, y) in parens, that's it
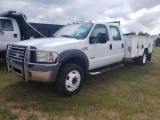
(15, 28)
(9, 32)
(75, 51)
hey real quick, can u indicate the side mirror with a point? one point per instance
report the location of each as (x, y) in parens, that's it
(92, 40)
(103, 38)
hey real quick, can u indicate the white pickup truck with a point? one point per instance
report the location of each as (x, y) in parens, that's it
(75, 51)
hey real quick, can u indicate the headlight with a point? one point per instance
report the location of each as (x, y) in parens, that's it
(42, 56)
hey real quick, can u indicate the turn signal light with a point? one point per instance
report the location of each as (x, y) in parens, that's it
(50, 57)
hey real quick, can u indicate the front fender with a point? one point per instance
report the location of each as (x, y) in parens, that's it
(65, 55)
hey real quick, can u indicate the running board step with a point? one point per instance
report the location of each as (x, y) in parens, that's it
(106, 69)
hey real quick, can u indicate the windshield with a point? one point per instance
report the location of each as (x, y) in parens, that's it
(78, 31)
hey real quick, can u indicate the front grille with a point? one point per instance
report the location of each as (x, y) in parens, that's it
(17, 70)
(16, 52)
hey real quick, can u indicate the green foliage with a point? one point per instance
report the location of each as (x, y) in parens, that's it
(131, 33)
(143, 33)
(5, 114)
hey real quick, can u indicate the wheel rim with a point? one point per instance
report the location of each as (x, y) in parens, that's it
(144, 58)
(73, 80)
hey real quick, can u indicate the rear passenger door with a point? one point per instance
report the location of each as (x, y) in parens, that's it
(117, 44)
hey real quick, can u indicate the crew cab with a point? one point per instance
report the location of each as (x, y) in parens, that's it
(75, 51)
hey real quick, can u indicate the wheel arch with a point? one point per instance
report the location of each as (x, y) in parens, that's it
(75, 56)
(146, 49)
(149, 55)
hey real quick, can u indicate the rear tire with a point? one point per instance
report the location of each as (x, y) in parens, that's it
(142, 59)
(135, 60)
(149, 56)
(70, 79)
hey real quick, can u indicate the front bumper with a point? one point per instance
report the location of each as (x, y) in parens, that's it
(33, 71)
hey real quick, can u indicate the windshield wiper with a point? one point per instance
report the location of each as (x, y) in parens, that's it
(67, 36)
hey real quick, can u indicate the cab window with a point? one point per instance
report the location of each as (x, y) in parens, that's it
(6, 25)
(115, 33)
(100, 29)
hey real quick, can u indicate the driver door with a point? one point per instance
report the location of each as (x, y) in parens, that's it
(98, 52)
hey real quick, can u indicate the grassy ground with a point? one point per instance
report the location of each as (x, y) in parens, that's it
(128, 93)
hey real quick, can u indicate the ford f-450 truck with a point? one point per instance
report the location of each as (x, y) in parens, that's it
(75, 51)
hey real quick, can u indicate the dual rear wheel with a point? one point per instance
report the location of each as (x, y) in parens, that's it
(142, 59)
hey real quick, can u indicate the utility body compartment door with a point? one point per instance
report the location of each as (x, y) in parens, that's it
(132, 46)
(9, 32)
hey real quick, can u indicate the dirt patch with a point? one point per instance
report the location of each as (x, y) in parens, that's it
(15, 104)
(113, 115)
(155, 64)
(23, 114)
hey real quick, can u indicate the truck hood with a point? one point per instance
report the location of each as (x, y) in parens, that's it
(48, 42)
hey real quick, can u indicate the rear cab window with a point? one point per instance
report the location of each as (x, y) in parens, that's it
(115, 33)
(6, 25)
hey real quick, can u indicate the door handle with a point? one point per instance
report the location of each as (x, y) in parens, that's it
(122, 45)
(142, 46)
(15, 35)
(110, 46)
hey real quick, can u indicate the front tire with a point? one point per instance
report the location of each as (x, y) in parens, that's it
(70, 79)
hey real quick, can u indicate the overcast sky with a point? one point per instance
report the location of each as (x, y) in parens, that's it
(135, 15)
